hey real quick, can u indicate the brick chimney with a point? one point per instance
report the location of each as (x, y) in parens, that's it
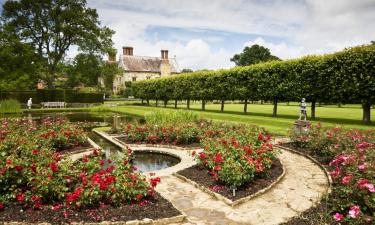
(165, 67)
(164, 54)
(127, 50)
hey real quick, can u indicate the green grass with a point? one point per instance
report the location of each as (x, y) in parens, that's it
(10, 106)
(348, 116)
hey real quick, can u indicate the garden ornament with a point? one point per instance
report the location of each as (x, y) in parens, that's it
(302, 109)
(29, 103)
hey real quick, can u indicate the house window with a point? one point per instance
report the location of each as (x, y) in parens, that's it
(134, 78)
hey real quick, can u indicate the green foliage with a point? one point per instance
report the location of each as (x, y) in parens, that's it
(343, 77)
(253, 55)
(186, 70)
(175, 134)
(163, 117)
(19, 65)
(10, 106)
(53, 26)
(87, 68)
(53, 95)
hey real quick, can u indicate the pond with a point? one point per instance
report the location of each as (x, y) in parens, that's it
(142, 160)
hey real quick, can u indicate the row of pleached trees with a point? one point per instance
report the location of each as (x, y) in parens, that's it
(343, 77)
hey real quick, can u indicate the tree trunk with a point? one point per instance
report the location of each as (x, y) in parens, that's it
(274, 114)
(142, 101)
(261, 102)
(222, 106)
(245, 107)
(148, 102)
(165, 103)
(313, 103)
(156, 103)
(175, 103)
(366, 112)
(50, 83)
(203, 105)
(188, 103)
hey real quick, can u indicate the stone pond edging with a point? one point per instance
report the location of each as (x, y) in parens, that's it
(226, 200)
(186, 159)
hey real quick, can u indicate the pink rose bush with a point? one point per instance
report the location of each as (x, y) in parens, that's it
(353, 174)
(35, 175)
(352, 169)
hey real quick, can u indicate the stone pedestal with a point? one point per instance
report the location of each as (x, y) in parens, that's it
(301, 126)
(116, 123)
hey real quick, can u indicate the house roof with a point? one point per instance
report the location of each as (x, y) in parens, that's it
(145, 64)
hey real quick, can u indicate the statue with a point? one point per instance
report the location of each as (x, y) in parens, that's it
(29, 103)
(302, 126)
(302, 110)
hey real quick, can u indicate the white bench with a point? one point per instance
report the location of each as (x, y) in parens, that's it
(53, 104)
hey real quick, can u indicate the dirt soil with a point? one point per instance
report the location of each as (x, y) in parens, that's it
(152, 208)
(203, 177)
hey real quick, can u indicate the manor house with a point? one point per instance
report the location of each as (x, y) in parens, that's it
(138, 68)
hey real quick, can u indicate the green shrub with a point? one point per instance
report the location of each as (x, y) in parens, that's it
(53, 95)
(162, 117)
(10, 106)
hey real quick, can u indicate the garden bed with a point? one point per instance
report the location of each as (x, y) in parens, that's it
(151, 208)
(205, 180)
(324, 160)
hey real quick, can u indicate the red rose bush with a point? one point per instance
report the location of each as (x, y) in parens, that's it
(35, 175)
(235, 156)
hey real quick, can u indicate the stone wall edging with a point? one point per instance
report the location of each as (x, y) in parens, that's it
(169, 220)
(226, 200)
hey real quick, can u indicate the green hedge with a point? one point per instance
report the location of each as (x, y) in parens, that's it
(343, 77)
(53, 95)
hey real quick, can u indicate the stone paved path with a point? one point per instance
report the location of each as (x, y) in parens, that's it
(302, 186)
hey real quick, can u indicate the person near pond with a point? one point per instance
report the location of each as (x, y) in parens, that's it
(29, 103)
(302, 106)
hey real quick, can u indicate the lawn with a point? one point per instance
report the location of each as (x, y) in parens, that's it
(348, 116)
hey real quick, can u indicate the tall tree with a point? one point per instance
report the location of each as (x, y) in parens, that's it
(253, 55)
(86, 68)
(53, 26)
(19, 65)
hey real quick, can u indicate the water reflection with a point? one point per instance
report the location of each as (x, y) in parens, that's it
(151, 161)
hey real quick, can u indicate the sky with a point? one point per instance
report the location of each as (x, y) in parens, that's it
(205, 34)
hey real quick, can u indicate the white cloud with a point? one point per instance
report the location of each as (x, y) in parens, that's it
(281, 50)
(301, 27)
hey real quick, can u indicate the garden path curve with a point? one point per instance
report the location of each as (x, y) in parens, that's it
(302, 186)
